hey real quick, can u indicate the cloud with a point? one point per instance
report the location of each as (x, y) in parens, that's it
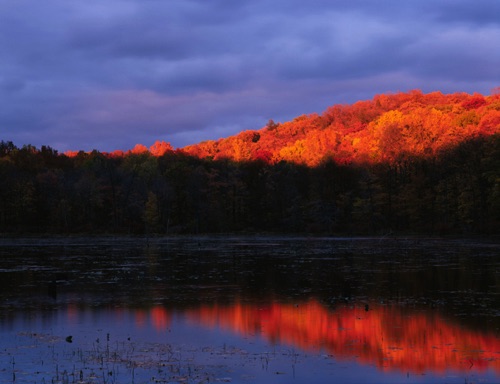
(107, 75)
(458, 53)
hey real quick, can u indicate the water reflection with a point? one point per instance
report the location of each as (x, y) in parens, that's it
(389, 337)
(321, 295)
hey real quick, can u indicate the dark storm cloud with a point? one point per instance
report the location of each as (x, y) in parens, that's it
(109, 74)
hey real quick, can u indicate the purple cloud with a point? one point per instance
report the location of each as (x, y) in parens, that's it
(108, 75)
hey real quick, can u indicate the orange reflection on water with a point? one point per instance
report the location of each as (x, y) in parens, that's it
(160, 317)
(385, 336)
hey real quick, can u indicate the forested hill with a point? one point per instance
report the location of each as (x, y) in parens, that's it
(406, 163)
(383, 129)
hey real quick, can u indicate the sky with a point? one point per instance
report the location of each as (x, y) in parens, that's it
(106, 75)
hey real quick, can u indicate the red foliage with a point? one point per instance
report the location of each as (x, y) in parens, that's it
(117, 153)
(159, 148)
(138, 149)
(490, 123)
(382, 129)
(474, 102)
(71, 153)
(263, 155)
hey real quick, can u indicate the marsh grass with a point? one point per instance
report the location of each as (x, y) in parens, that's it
(45, 358)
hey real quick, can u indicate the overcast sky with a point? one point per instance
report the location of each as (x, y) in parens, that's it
(107, 74)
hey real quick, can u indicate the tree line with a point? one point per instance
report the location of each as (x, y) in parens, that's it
(453, 192)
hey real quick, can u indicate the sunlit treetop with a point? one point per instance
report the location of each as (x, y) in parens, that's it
(382, 129)
(387, 128)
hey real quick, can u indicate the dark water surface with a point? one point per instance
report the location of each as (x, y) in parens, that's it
(249, 310)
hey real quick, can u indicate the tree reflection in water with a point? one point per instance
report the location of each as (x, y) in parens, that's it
(388, 306)
(388, 336)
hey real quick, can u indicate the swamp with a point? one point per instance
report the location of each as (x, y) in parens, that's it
(249, 309)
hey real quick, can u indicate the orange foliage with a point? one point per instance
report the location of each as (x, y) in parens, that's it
(159, 148)
(138, 149)
(382, 129)
(71, 153)
(490, 122)
(117, 153)
(375, 130)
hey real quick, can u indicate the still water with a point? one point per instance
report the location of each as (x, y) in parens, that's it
(249, 310)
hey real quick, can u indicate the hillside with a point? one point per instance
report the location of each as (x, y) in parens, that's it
(407, 163)
(382, 129)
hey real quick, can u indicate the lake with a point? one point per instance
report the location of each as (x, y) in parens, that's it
(249, 309)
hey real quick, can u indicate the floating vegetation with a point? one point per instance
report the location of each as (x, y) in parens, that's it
(45, 358)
